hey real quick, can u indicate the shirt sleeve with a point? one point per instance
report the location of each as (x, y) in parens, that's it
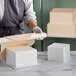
(1, 9)
(30, 15)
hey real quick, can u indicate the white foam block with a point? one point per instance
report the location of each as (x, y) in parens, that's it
(59, 52)
(19, 57)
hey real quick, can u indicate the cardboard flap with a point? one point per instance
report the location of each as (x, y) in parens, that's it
(20, 37)
(30, 36)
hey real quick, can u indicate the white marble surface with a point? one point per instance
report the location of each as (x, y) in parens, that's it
(44, 68)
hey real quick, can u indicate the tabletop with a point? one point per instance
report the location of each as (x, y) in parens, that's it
(44, 67)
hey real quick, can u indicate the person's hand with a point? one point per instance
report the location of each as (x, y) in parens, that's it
(37, 30)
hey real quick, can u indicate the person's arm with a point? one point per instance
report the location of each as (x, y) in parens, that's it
(30, 17)
(33, 26)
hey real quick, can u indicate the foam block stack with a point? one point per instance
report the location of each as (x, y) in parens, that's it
(59, 52)
(62, 22)
(19, 57)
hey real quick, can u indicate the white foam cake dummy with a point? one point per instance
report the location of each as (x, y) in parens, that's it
(20, 57)
(18, 40)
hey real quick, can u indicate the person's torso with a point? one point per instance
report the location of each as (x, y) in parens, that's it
(11, 17)
(13, 13)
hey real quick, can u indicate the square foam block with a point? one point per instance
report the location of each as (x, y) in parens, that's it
(61, 30)
(62, 15)
(19, 57)
(59, 52)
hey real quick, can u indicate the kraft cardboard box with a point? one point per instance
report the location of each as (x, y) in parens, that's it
(67, 30)
(63, 16)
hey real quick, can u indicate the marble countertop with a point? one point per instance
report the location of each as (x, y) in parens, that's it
(45, 68)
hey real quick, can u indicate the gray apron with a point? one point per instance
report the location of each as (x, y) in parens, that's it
(12, 19)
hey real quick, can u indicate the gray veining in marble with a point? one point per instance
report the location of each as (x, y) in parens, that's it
(44, 68)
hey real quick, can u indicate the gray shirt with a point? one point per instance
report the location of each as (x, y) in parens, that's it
(29, 13)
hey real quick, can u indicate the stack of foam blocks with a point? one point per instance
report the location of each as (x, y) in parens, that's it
(62, 22)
